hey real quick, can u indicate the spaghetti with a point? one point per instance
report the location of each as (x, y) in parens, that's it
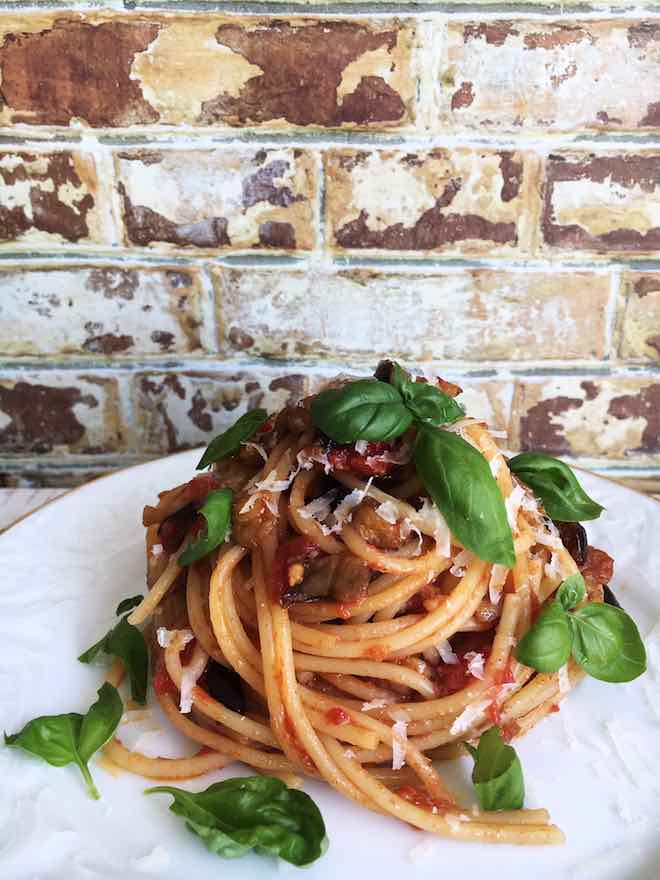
(342, 632)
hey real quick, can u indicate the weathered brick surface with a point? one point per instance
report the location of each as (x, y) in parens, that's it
(454, 201)
(103, 310)
(518, 75)
(608, 418)
(179, 410)
(640, 335)
(467, 314)
(219, 199)
(603, 203)
(59, 413)
(50, 197)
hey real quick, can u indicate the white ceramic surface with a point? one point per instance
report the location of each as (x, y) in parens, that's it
(595, 765)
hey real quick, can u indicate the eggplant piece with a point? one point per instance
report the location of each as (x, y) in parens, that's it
(610, 598)
(342, 577)
(574, 538)
(224, 685)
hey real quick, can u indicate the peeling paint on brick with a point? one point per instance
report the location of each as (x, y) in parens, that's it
(102, 310)
(640, 337)
(557, 76)
(472, 314)
(450, 201)
(602, 203)
(220, 199)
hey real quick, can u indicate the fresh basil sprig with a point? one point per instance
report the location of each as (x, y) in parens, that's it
(556, 485)
(460, 482)
(229, 442)
(428, 404)
(603, 639)
(217, 513)
(252, 812)
(497, 775)
(364, 410)
(126, 642)
(72, 738)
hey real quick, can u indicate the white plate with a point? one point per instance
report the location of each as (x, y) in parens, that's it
(595, 765)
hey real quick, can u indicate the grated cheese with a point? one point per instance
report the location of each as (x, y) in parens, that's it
(166, 636)
(306, 460)
(319, 508)
(344, 511)
(349, 753)
(495, 465)
(272, 484)
(548, 537)
(429, 520)
(460, 564)
(454, 822)
(399, 740)
(564, 680)
(373, 704)
(361, 446)
(154, 862)
(388, 511)
(446, 653)
(468, 716)
(498, 576)
(157, 550)
(251, 445)
(475, 664)
(188, 682)
(553, 569)
(512, 503)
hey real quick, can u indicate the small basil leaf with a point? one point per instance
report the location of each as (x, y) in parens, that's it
(571, 592)
(426, 402)
(460, 482)
(128, 604)
(364, 410)
(229, 442)
(126, 642)
(556, 485)
(547, 645)
(253, 812)
(217, 513)
(497, 775)
(73, 738)
(607, 643)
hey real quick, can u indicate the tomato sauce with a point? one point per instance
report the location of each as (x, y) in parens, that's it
(372, 463)
(422, 799)
(337, 716)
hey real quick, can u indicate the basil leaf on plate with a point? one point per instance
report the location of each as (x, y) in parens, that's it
(607, 643)
(217, 513)
(497, 775)
(364, 410)
(546, 647)
(427, 403)
(73, 738)
(460, 482)
(571, 592)
(126, 642)
(229, 442)
(252, 812)
(556, 485)
(128, 604)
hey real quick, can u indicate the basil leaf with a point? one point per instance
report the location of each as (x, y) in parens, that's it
(217, 513)
(253, 812)
(126, 642)
(571, 592)
(73, 738)
(427, 403)
(607, 643)
(229, 442)
(556, 485)
(497, 775)
(459, 480)
(364, 410)
(547, 645)
(128, 604)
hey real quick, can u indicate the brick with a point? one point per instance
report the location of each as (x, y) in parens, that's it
(598, 418)
(219, 199)
(58, 413)
(457, 202)
(602, 203)
(180, 410)
(640, 336)
(103, 310)
(472, 314)
(559, 76)
(51, 197)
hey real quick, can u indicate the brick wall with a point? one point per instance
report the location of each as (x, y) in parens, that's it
(203, 211)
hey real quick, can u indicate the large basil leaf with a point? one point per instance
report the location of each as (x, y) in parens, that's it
(459, 480)
(229, 442)
(364, 410)
(72, 738)
(427, 403)
(556, 485)
(547, 645)
(497, 775)
(253, 812)
(571, 592)
(607, 643)
(126, 642)
(217, 513)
